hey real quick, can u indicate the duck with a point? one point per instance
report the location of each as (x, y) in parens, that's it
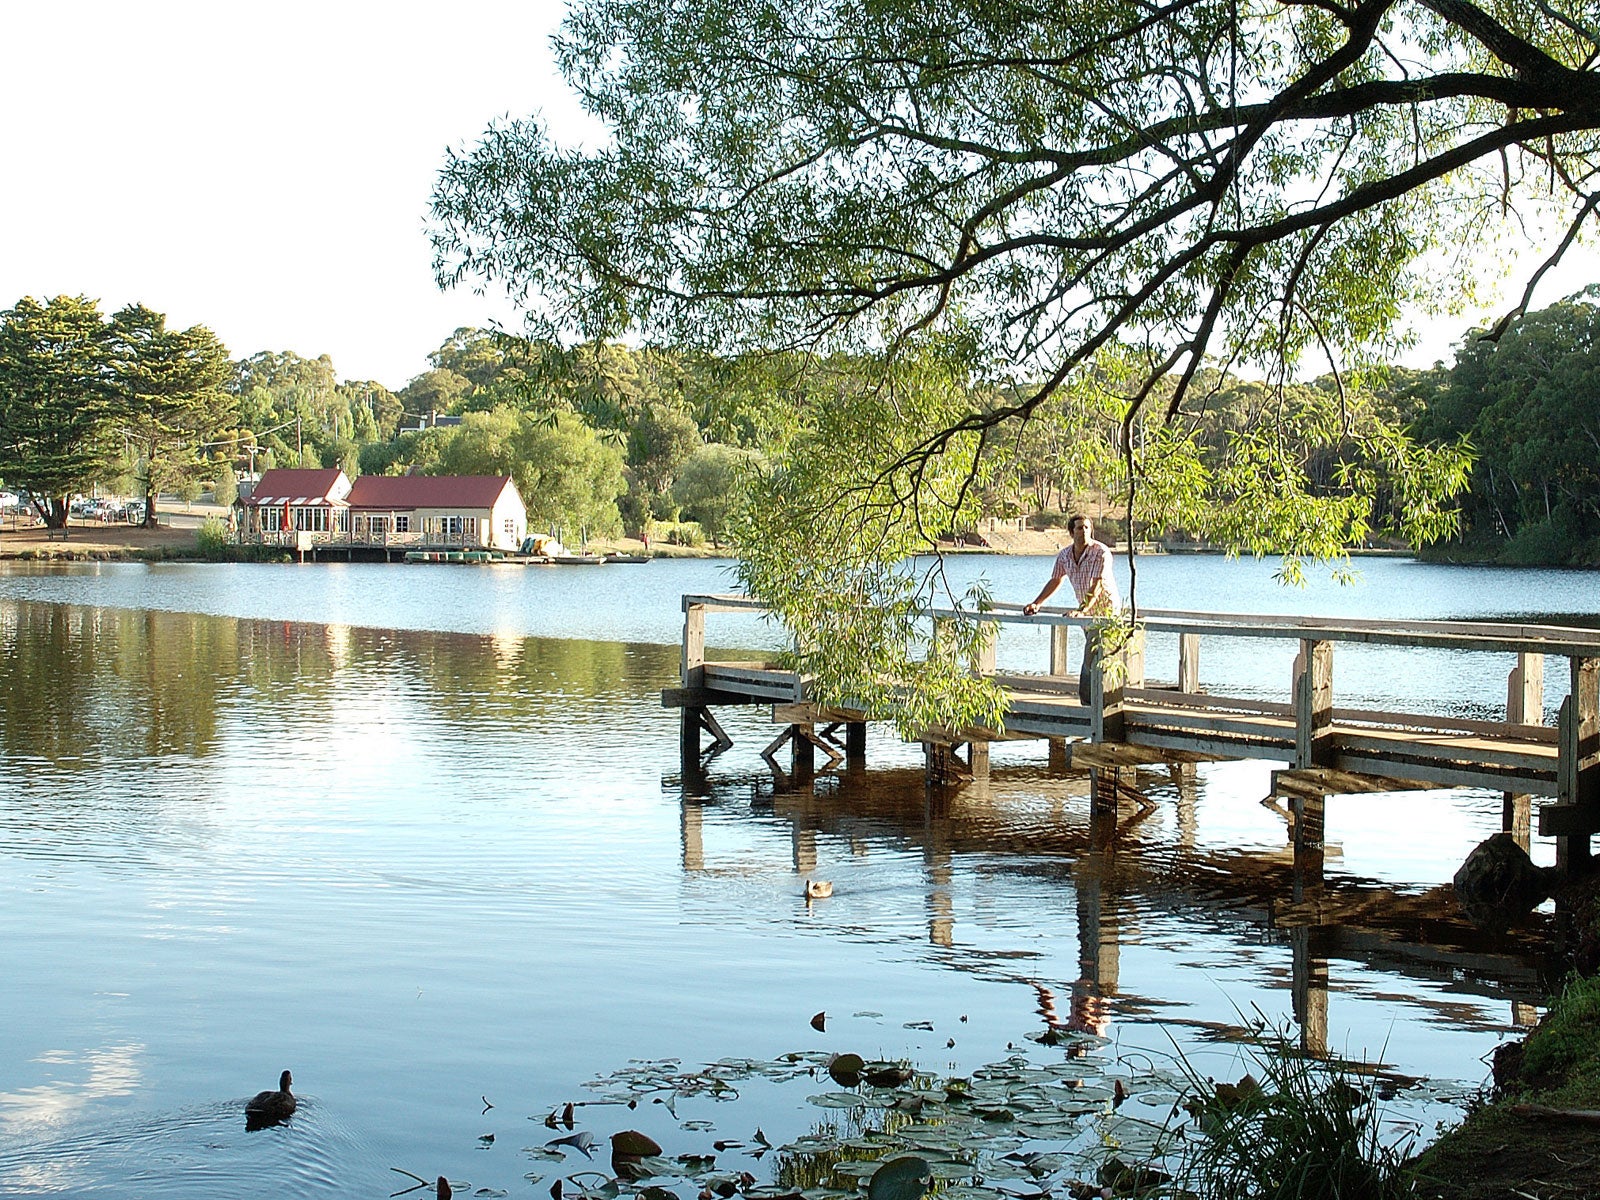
(818, 889)
(275, 1106)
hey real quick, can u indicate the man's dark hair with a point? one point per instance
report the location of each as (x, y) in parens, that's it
(1072, 521)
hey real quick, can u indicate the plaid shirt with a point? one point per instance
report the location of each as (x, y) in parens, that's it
(1095, 564)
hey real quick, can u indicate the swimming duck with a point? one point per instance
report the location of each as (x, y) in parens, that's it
(818, 889)
(269, 1107)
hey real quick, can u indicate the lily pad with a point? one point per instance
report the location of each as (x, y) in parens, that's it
(838, 1100)
(845, 1069)
(905, 1178)
(634, 1144)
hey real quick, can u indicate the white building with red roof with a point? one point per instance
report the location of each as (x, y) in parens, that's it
(471, 511)
(290, 501)
(448, 511)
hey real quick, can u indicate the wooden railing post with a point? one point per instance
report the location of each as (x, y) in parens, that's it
(1313, 704)
(1058, 650)
(693, 672)
(694, 646)
(1578, 765)
(983, 661)
(1524, 706)
(1189, 662)
(1106, 720)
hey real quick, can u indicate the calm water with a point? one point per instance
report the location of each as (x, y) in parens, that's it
(418, 834)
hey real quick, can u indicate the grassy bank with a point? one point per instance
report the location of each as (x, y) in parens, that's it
(1539, 1137)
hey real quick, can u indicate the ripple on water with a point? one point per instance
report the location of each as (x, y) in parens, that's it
(202, 1151)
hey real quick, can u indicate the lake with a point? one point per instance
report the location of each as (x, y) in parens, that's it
(417, 833)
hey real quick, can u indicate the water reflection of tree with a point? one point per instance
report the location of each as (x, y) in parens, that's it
(83, 686)
(90, 685)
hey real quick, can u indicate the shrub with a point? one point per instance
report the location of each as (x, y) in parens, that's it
(686, 533)
(213, 539)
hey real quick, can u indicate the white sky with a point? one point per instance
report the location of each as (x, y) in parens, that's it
(265, 170)
(261, 169)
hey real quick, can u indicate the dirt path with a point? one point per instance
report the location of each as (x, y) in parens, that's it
(92, 539)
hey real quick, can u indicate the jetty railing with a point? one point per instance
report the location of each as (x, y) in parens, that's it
(1327, 749)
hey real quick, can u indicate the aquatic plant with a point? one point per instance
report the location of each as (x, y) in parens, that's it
(1082, 1123)
(1306, 1129)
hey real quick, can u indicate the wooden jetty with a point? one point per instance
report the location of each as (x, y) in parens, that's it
(1126, 722)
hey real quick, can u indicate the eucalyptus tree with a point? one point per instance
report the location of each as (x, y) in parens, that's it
(172, 399)
(55, 400)
(1037, 193)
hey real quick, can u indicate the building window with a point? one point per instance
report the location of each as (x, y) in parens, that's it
(377, 526)
(271, 519)
(402, 524)
(311, 520)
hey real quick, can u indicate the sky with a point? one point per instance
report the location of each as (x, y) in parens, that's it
(266, 170)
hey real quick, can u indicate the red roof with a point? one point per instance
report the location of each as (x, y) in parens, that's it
(389, 492)
(285, 485)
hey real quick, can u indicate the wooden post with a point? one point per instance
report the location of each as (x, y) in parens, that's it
(1313, 704)
(803, 763)
(1189, 662)
(1105, 703)
(1524, 706)
(855, 742)
(694, 646)
(983, 661)
(1058, 650)
(1578, 765)
(978, 760)
(1133, 660)
(692, 670)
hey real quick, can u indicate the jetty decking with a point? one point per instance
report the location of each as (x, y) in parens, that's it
(1326, 750)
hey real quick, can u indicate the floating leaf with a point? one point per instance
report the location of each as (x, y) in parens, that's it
(905, 1178)
(820, 1022)
(582, 1140)
(928, 1025)
(887, 1075)
(846, 1069)
(656, 1193)
(858, 1168)
(838, 1100)
(633, 1143)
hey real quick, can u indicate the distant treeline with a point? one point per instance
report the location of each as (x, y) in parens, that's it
(604, 438)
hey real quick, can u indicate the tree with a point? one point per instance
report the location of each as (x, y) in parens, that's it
(55, 399)
(171, 398)
(1029, 193)
(569, 478)
(710, 486)
(1531, 402)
